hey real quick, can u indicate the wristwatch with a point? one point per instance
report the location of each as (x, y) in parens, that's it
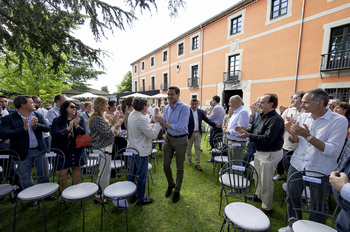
(308, 138)
(164, 124)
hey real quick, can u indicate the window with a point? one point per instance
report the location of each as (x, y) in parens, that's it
(153, 86)
(143, 65)
(135, 68)
(279, 7)
(152, 61)
(195, 42)
(233, 65)
(180, 49)
(165, 56)
(135, 86)
(236, 25)
(164, 86)
(340, 93)
(143, 85)
(339, 48)
(194, 80)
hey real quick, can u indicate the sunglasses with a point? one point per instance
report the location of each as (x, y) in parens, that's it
(48, 108)
(73, 107)
(39, 102)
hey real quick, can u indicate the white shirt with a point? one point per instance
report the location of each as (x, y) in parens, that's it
(331, 129)
(239, 118)
(43, 112)
(218, 114)
(195, 118)
(287, 145)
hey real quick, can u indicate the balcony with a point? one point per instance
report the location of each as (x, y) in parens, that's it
(164, 86)
(193, 82)
(335, 61)
(151, 87)
(142, 88)
(233, 76)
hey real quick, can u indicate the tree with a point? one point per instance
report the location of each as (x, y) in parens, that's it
(36, 78)
(105, 89)
(46, 26)
(126, 84)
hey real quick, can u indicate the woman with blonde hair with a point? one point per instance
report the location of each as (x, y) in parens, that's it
(102, 137)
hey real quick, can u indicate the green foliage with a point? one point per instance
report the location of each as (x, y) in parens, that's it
(46, 26)
(80, 86)
(126, 84)
(36, 77)
(105, 89)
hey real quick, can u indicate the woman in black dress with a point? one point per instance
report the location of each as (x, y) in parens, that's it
(64, 129)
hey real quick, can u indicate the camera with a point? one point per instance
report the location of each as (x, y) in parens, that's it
(2, 106)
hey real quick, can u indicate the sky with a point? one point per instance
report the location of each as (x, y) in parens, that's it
(150, 31)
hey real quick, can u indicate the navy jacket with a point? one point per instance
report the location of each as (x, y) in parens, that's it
(201, 116)
(11, 127)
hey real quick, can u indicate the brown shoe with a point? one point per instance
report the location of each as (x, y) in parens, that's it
(189, 162)
(265, 211)
(198, 167)
(210, 160)
(255, 198)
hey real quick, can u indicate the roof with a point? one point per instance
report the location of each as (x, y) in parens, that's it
(211, 20)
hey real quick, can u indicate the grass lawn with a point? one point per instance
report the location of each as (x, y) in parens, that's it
(197, 209)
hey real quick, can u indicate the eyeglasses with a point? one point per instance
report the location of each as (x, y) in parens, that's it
(48, 108)
(38, 102)
(73, 107)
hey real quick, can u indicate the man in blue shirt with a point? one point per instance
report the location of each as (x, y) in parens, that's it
(175, 116)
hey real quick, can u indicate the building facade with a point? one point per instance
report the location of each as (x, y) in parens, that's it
(256, 47)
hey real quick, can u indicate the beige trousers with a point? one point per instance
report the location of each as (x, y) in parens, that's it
(265, 164)
(196, 139)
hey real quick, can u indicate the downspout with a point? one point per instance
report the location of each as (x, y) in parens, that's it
(201, 64)
(169, 67)
(299, 45)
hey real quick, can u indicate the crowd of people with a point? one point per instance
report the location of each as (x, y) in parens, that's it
(313, 131)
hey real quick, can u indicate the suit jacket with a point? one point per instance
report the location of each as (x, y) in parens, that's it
(201, 116)
(141, 133)
(11, 127)
(59, 134)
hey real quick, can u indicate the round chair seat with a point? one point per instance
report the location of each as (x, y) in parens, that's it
(236, 181)
(149, 166)
(154, 151)
(310, 226)
(247, 216)
(5, 189)
(120, 189)
(117, 164)
(221, 159)
(38, 191)
(80, 191)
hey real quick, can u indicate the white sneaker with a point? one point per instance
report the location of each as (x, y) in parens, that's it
(285, 229)
(277, 177)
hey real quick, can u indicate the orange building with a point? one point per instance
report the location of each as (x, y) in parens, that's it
(256, 47)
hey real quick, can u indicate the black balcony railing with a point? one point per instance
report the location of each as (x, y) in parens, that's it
(233, 76)
(335, 61)
(151, 87)
(164, 86)
(193, 82)
(142, 88)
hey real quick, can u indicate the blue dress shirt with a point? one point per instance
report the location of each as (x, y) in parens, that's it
(177, 117)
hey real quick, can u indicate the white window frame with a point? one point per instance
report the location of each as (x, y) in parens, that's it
(150, 81)
(177, 48)
(141, 84)
(327, 30)
(240, 13)
(194, 94)
(199, 42)
(165, 50)
(273, 20)
(143, 66)
(227, 57)
(150, 61)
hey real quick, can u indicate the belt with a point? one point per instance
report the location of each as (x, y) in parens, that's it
(33, 148)
(177, 136)
(236, 141)
(270, 151)
(195, 131)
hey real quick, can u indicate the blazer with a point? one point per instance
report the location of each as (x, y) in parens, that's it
(59, 133)
(141, 132)
(201, 116)
(11, 127)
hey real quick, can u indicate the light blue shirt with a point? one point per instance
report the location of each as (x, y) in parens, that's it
(52, 114)
(345, 192)
(33, 142)
(239, 118)
(218, 114)
(177, 117)
(85, 115)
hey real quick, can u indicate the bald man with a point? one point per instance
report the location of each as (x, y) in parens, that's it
(240, 117)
